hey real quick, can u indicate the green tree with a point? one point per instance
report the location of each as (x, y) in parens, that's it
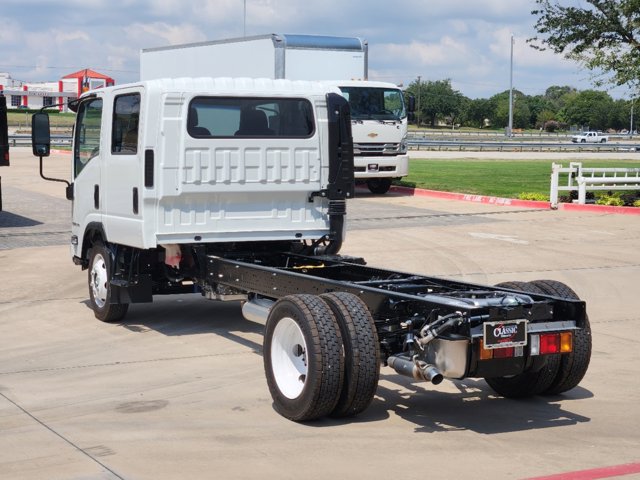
(537, 104)
(479, 111)
(500, 113)
(437, 100)
(619, 116)
(602, 35)
(589, 108)
(557, 96)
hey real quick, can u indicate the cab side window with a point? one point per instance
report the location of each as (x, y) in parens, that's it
(227, 117)
(88, 127)
(124, 131)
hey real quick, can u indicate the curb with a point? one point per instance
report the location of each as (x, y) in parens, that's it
(513, 202)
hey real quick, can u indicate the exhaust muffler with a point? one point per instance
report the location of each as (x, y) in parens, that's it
(418, 370)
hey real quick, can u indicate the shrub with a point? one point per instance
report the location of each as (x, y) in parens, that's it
(636, 203)
(609, 199)
(629, 198)
(539, 197)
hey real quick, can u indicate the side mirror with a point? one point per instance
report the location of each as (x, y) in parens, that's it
(411, 107)
(40, 134)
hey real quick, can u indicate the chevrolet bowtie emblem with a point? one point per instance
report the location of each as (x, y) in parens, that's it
(372, 135)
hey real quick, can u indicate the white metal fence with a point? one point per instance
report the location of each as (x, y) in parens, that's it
(580, 179)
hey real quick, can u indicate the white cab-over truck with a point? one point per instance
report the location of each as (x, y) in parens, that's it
(590, 137)
(182, 186)
(378, 109)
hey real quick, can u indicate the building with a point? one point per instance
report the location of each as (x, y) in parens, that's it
(35, 95)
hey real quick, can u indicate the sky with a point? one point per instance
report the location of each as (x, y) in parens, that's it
(466, 41)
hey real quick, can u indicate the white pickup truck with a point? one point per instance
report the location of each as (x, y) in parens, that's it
(590, 137)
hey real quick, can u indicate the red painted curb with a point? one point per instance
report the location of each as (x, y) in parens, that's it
(467, 197)
(513, 202)
(600, 209)
(596, 473)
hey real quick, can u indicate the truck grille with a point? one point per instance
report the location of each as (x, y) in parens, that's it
(374, 149)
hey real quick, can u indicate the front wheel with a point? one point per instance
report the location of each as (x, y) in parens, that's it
(379, 186)
(303, 359)
(99, 280)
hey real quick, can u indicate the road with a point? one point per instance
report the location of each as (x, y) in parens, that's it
(177, 390)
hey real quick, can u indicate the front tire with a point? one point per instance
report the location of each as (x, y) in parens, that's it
(99, 281)
(379, 186)
(302, 356)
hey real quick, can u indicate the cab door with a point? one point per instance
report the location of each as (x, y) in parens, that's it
(123, 168)
(88, 201)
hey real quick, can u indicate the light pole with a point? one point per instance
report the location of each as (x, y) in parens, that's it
(633, 102)
(419, 92)
(244, 19)
(510, 127)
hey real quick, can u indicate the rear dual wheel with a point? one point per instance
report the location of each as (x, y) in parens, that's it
(315, 362)
(573, 366)
(560, 372)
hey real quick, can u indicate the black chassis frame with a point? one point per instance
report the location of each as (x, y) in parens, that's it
(400, 303)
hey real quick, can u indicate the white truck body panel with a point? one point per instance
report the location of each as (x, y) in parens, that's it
(379, 146)
(205, 189)
(294, 57)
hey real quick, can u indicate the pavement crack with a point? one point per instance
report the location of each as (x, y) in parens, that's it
(59, 435)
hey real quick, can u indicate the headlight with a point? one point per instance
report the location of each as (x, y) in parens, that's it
(403, 146)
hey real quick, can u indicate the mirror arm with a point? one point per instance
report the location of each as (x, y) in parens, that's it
(52, 179)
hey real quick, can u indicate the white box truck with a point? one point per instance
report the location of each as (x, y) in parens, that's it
(379, 115)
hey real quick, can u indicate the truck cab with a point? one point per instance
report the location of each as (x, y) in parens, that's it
(379, 126)
(164, 170)
(194, 160)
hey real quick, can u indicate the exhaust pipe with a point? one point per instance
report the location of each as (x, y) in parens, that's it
(418, 370)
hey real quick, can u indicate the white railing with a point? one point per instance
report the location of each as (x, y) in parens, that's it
(580, 179)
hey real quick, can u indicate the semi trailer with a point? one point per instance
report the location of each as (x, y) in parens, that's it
(378, 111)
(176, 188)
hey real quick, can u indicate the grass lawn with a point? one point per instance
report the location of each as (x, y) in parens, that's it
(500, 178)
(22, 119)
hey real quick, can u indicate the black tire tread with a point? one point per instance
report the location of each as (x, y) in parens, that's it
(528, 383)
(325, 345)
(573, 366)
(361, 351)
(379, 186)
(111, 312)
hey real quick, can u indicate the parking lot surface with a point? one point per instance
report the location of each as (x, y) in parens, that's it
(177, 390)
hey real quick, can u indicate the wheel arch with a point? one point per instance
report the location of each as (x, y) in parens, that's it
(94, 232)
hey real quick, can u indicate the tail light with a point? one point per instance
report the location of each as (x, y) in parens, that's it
(539, 344)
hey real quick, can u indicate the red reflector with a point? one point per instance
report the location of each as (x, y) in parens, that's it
(549, 343)
(504, 352)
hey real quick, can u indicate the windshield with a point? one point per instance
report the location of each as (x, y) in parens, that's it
(369, 103)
